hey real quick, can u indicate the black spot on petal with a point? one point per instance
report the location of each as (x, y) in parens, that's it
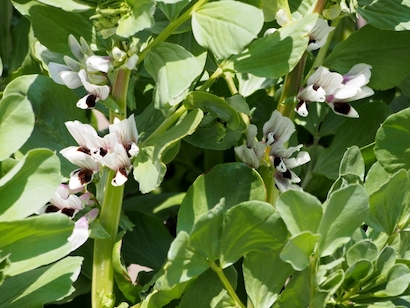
(90, 101)
(85, 176)
(342, 108)
(287, 174)
(51, 209)
(68, 212)
(276, 161)
(84, 150)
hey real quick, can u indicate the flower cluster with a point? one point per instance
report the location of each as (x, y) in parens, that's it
(336, 90)
(89, 70)
(276, 132)
(115, 150)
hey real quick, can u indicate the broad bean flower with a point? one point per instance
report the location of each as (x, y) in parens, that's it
(272, 151)
(115, 150)
(336, 89)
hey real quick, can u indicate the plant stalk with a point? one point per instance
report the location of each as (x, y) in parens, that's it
(102, 294)
(227, 285)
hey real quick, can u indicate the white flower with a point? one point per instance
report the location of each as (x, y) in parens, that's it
(281, 17)
(88, 166)
(95, 92)
(318, 35)
(63, 75)
(119, 162)
(127, 134)
(277, 129)
(319, 85)
(98, 64)
(352, 88)
(63, 201)
(283, 161)
(252, 152)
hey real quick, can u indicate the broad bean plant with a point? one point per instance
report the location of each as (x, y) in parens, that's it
(199, 153)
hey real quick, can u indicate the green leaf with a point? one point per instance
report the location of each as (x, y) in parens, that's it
(172, 8)
(393, 142)
(16, 124)
(300, 211)
(122, 278)
(207, 289)
(53, 105)
(352, 163)
(140, 17)
(350, 133)
(174, 69)
(363, 250)
(206, 232)
(388, 204)
(297, 291)
(48, 28)
(149, 170)
(264, 280)
(276, 54)
(47, 236)
(327, 288)
(42, 285)
(220, 128)
(68, 5)
(236, 182)
(148, 243)
(159, 298)
(357, 273)
(344, 213)
(375, 178)
(183, 264)
(214, 105)
(386, 14)
(38, 171)
(360, 48)
(250, 226)
(226, 27)
(298, 249)
(398, 281)
(4, 266)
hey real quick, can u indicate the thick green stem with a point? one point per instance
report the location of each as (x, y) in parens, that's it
(290, 89)
(272, 193)
(103, 273)
(227, 285)
(171, 28)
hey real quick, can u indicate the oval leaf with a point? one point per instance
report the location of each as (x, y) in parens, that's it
(38, 171)
(174, 69)
(226, 27)
(360, 48)
(16, 124)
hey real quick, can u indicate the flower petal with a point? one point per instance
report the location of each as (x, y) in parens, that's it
(302, 109)
(80, 233)
(344, 109)
(247, 156)
(79, 158)
(99, 92)
(121, 176)
(80, 178)
(280, 128)
(98, 64)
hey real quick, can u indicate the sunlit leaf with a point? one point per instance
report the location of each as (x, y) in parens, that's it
(16, 124)
(226, 27)
(42, 285)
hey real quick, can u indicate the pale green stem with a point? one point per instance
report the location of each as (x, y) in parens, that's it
(230, 83)
(227, 285)
(272, 193)
(102, 294)
(171, 28)
(212, 79)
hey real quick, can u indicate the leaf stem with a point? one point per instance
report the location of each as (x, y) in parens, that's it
(102, 294)
(175, 24)
(167, 123)
(227, 285)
